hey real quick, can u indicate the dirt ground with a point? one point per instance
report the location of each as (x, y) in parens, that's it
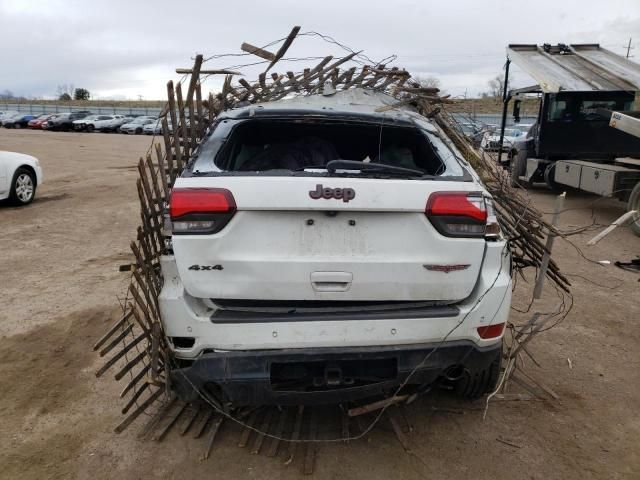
(59, 289)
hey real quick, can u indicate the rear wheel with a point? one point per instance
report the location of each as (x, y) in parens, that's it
(634, 204)
(138, 131)
(518, 168)
(17, 125)
(550, 177)
(90, 128)
(473, 385)
(23, 187)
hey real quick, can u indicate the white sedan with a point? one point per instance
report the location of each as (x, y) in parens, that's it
(20, 175)
(137, 125)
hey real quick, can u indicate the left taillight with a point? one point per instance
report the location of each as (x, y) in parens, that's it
(200, 210)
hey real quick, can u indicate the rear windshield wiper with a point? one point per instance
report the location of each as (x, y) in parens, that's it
(334, 165)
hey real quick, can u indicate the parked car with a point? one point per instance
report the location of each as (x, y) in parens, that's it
(6, 114)
(64, 121)
(38, 122)
(136, 125)
(106, 123)
(20, 175)
(19, 120)
(491, 141)
(153, 128)
(81, 124)
(374, 252)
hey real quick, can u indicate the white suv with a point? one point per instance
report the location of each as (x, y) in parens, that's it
(324, 252)
(106, 123)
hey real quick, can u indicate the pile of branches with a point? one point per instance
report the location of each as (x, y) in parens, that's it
(136, 343)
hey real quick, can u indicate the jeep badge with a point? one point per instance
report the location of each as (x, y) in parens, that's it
(345, 194)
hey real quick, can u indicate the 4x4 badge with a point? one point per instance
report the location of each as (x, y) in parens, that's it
(345, 194)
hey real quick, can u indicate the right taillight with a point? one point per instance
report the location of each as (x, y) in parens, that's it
(200, 210)
(459, 214)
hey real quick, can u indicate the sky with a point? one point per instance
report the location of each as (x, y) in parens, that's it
(130, 49)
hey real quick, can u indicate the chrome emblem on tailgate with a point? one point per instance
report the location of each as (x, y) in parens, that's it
(345, 194)
(446, 268)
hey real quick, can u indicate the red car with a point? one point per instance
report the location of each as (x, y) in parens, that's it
(39, 121)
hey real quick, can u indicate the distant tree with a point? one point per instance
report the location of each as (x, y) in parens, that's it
(496, 86)
(6, 94)
(81, 94)
(65, 90)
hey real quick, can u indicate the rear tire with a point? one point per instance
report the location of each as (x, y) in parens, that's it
(23, 187)
(634, 204)
(549, 177)
(473, 385)
(138, 131)
(518, 168)
(90, 128)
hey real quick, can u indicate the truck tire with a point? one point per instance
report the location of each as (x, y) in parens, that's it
(634, 204)
(550, 177)
(473, 385)
(517, 169)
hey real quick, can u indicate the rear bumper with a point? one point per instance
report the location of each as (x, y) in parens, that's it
(202, 328)
(325, 375)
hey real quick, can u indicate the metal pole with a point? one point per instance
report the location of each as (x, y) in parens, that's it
(544, 265)
(505, 105)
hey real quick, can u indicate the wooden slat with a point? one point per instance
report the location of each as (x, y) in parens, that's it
(116, 326)
(175, 127)
(135, 397)
(134, 361)
(162, 168)
(285, 46)
(138, 376)
(275, 440)
(189, 71)
(202, 124)
(168, 151)
(116, 341)
(112, 361)
(257, 51)
(183, 134)
(136, 413)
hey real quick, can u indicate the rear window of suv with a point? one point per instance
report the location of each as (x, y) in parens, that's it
(295, 144)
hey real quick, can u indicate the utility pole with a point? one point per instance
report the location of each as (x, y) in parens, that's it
(629, 48)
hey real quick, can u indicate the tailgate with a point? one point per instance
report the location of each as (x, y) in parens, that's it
(331, 239)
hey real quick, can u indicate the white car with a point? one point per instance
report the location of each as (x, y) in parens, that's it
(155, 128)
(324, 260)
(136, 125)
(4, 115)
(20, 175)
(106, 123)
(81, 124)
(491, 141)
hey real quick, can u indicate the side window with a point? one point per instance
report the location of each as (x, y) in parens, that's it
(557, 110)
(589, 109)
